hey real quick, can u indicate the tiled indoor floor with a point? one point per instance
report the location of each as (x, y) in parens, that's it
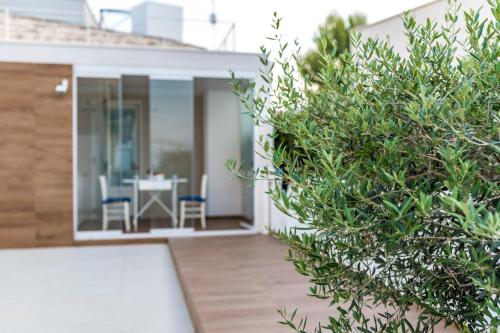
(102, 289)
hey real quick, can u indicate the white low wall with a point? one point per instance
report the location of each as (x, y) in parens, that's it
(392, 29)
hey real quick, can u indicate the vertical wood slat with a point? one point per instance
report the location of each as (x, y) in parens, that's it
(35, 156)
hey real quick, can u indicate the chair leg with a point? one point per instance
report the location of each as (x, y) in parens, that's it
(104, 217)
(183, 214)
(203, 216)
(136, 224)
(126, 211)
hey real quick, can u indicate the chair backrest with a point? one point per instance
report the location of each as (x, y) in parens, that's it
(203, 188)
(104, 187)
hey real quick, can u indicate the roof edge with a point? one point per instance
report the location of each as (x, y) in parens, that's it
(174, 42)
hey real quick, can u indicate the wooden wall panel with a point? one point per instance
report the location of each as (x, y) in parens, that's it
(35, 156)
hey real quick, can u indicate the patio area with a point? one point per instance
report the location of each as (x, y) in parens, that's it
(101, 289)
(203, 285)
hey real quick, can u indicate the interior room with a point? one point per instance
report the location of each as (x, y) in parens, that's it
(144, 146)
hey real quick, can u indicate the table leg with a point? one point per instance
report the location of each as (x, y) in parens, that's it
(136, 206)
(174, 204)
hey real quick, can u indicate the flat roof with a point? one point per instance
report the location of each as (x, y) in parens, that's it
(133, 59)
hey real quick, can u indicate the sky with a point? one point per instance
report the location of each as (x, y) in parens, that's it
(253, 17)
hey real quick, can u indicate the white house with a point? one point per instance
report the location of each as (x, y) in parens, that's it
(79, 103)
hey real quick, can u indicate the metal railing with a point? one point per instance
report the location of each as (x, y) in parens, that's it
(55, 26)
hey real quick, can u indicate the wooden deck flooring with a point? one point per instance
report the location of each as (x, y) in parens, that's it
(236, 284)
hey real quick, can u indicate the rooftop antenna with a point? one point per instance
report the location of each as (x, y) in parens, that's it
(213, 21)
(213, 16)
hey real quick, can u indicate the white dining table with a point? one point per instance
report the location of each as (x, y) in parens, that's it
(154, 186)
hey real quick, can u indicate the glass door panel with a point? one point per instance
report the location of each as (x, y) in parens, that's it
(171, 123)
(246, 158)
(97, 101)
(126, 131)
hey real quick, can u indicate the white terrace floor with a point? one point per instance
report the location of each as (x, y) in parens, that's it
(104, 289)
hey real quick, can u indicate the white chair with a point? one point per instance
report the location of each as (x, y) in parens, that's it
(194, 206)
(113, 208)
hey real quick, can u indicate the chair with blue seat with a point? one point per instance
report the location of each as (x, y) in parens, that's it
(113, 208)
(194, 206)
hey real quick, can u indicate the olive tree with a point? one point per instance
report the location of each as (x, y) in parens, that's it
(332, 36)
(394, 172)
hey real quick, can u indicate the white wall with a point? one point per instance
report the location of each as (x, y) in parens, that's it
(281, 221)
(222, 142)
(392, 29)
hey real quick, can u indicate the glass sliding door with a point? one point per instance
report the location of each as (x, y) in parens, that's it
(131, 127)
(171, 122)
(224, 130)
(134, 125)
(98, 101)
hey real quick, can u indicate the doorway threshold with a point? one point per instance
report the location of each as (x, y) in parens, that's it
(159, 233)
